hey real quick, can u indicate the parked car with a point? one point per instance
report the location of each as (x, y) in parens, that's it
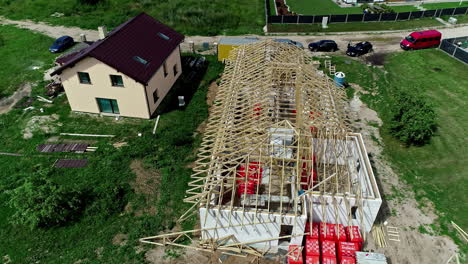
(323, 45)
(359, 49)
(61, 44)
(289, 41)
(421, 40)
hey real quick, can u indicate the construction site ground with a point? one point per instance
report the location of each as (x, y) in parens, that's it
(401, 211)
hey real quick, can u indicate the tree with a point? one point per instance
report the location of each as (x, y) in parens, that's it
(412, 118)
(40, 202)
(89, 2)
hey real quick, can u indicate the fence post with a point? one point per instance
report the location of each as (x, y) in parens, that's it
(424, 11)
(313, 19)
(297, 22)
(466, 10)
(411, 12)
(440, 13)
(282, 19)
(396, 16)
(363, 16)
(330, 19)
(346, 20)
(380, 17)
(455, 50)
(453, 13)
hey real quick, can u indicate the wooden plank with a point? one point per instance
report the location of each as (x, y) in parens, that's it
(11, 154)
(85, 135)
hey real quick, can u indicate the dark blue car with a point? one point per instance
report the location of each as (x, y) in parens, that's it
(61, 44)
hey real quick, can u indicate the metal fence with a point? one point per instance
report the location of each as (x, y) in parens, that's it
(452, 48)
(300, 19)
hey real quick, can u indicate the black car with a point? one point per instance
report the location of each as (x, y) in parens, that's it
(61, 44)
(323, 45)
(359, 49)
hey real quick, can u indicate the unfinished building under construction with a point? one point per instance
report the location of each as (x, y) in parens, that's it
(278, 152)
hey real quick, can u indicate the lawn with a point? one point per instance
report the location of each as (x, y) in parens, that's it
(437, 170)
(354, 26)
(327, 7)
(191, 17)
(111, 204)
(445, 5)
(17, 64)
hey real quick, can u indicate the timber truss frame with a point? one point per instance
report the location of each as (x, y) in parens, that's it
(275, 116)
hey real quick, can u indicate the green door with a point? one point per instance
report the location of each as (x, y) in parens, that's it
(108, 105)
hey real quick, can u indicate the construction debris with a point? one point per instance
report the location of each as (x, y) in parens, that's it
(85, 135)
(70, 163)
(393, 234)
(460, 231)
(378, 234)
(73, 147)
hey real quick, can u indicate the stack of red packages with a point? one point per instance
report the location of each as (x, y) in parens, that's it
(327, 231)
(312, 260)
(312, 247)
(353, 234)
(315, 230)
(347, 260)
(328, 252)
(295, 255)
(329, 260)
(309, 176)
(340, 233)
(253, 175)
(347, 249)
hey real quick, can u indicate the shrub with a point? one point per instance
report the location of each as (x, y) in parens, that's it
(412, 118)
(40, 202)
(89, 2)
(108, 199)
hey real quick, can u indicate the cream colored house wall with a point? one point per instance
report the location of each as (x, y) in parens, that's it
(163, 84)
(82, 97)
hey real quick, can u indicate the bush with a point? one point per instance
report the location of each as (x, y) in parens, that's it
(40, 202)
(108, 199)
(412, 118)
(89, 2)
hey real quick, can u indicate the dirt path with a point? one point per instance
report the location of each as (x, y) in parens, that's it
(7, 103)
(51, 31)
(402, 209)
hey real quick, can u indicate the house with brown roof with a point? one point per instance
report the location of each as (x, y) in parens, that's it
(126, 73)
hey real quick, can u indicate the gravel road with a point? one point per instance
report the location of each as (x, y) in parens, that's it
(383, 41)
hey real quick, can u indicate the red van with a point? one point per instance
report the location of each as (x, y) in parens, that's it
(421, 40)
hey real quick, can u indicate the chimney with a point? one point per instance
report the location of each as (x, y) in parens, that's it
(102, 32)
(83, 37)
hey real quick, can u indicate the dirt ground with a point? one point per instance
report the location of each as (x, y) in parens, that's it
(404, 212)
(7, 103)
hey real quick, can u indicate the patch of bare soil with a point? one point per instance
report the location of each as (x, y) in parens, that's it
(404, 213)
(158, 255)
(7, 103)
(120, 239)
(376, 58)
(211, 95)
(147, 183)
(40, 123)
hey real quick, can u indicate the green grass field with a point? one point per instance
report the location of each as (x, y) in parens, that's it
(88, 238)
(326, 7)
(437, 171)
(18, 58)
(191, 17)
(354, 26)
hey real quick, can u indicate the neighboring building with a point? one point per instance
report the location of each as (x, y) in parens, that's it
(127, 73)
(227, 44)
